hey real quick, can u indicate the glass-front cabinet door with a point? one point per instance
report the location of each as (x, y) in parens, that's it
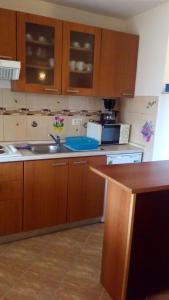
(81, 52)
(39, 45)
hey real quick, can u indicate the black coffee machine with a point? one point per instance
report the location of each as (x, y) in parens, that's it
(109, 115)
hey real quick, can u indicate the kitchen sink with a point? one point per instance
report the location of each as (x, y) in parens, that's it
(47, 148)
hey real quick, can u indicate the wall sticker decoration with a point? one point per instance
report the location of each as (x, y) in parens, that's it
(58, 123)
(147, 131)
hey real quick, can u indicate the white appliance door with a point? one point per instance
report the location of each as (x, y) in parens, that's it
(120, 159)
(124, 158)
(94, 131)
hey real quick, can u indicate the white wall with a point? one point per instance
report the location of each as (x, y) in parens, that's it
(153, 29)
(161, 142)
(64, 13)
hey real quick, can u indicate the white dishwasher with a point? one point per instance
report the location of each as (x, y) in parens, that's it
(123, 158)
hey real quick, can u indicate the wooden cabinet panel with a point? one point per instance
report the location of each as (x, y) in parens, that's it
(39, 48)
(11, 197)
(7, 34)
(85, 190)
(127, 64)
(78, 169)
(95, 188)
(118, 64)
(45, 193)
(81, 56)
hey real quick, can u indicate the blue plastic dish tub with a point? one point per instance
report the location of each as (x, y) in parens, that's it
(81, 143)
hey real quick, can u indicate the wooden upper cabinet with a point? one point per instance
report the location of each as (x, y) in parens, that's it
(45, 193)
(118, 64)
(11, 197)
(81, 58)
(39, 48)
(7, 34)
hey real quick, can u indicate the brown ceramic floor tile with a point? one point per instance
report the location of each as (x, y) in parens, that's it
(5, 287)
(3, 248)
(59, 266)
(36, 286)
(76, 235)
(105, 296)
(84, 289)
(15, 295)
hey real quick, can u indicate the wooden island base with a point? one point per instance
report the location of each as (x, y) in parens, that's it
(135, 262)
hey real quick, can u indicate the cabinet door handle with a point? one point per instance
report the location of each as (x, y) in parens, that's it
(127, 94)
(52, 90)
(59, 164)
(73, 91)
(6, 57)
(80, 162)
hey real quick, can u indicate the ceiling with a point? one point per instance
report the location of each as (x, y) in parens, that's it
(114, 8)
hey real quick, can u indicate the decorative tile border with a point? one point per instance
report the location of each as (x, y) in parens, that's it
(47, 112)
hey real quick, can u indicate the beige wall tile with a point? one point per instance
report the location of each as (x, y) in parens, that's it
(84, 103)
(74, 129)
(13, 99)
(144, 105)
(14, 128)
(36, 101)
(51, 129)
(1, 128)
(39, 131)
(62, 102)
(136, 112)
(68, 128)
(20, 127)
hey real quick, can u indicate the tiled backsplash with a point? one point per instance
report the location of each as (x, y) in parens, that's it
(20, 111)
(137, 112)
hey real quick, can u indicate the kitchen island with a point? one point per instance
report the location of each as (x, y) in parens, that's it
(135, 262)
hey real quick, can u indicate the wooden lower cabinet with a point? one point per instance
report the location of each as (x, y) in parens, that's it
(85, 189)
(11, 197)
(45, 193)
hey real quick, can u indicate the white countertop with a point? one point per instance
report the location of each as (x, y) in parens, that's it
(26, 155)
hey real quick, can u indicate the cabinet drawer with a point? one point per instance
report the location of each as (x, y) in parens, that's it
(78, 161)
(97, 160)
(11, 171)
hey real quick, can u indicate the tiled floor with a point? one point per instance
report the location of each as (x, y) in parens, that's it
(59, 266)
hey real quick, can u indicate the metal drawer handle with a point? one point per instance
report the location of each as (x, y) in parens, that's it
(80, 162)
(59, 164)
(7, 57)
(127, 94)
(73, 91)
(52, 90)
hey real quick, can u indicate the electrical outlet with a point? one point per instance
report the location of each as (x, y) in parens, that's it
(76, 122)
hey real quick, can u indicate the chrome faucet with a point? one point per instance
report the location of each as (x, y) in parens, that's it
(56, 139)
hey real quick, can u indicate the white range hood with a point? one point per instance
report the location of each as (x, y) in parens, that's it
(9, 69)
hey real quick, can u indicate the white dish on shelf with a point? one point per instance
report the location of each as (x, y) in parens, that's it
(42, 39)
(75, 44)
(29, 37)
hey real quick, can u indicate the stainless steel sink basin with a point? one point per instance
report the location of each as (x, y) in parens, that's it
(42, 148)
(47, 148)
